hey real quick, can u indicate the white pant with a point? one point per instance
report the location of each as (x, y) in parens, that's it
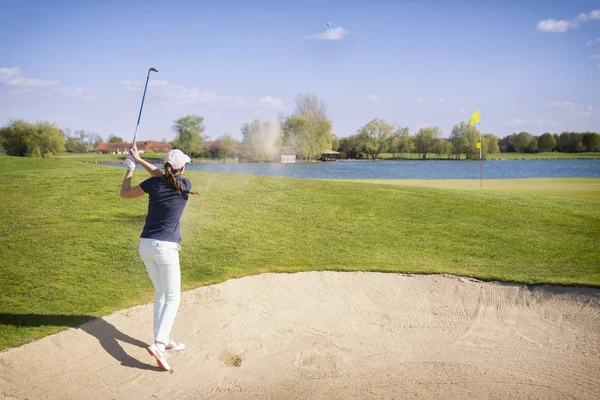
(162, 262)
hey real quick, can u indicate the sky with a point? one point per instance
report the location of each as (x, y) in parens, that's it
(527, 65)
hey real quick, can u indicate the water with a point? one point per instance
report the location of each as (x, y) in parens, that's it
(493, 169)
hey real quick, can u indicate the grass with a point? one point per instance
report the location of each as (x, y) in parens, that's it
(545, 155)
(68, 242)
(495, 156)
(411, 156)
(579, 188)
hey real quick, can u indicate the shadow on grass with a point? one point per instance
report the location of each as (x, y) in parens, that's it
(106, 333)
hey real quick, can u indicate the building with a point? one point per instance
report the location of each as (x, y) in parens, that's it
(122, 148)
(287, 155)
(329, 155)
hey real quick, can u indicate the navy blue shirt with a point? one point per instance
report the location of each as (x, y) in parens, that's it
(165, 207)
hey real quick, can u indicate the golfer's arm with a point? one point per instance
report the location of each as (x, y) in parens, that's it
(126, 191)
(154, 171)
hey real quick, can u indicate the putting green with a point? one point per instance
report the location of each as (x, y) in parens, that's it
(581, 188)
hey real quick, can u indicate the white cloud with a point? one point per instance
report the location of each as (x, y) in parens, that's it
(552, 25)
(559, 26)
(593, 15)
(17, 83)
(461, 110)
(271, 102)
(13, 78)
(584, 112)
(592, 42)
(419, 100)
(574, 111)
(559, 104)
(329, 34)
(173, 95)
(373, 97)
(595, 57)
(518, 122)
(442, 100)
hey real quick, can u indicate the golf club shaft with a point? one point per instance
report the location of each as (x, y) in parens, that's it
(142, 106)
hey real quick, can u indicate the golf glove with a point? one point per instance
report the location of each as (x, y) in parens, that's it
(130, 163)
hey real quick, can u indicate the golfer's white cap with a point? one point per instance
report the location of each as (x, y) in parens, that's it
(176, 158)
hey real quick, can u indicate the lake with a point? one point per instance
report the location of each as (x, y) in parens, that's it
(493, 169)
(434, 169)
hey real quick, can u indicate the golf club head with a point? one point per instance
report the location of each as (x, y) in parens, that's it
(153, 70)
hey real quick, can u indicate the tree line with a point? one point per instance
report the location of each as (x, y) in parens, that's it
(378, 136)
(566, 142)
(307, 131)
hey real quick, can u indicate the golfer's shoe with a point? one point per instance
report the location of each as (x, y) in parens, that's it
(160, 356)
(173, 345)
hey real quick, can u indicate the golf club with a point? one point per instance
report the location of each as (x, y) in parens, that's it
(142, 106)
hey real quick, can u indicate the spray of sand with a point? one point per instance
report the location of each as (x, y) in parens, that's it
(269, 140)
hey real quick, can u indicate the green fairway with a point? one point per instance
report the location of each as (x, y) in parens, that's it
(582, 188)
(68, 242)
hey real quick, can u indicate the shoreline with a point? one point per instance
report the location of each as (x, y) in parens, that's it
(353, 160)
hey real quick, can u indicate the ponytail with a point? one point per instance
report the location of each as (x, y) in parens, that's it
(169, 178)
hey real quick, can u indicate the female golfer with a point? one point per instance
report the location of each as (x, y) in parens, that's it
(159, 242)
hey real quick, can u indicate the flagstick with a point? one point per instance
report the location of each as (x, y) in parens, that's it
(480, 161)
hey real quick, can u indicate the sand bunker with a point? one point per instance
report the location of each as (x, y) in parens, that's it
(334, 336)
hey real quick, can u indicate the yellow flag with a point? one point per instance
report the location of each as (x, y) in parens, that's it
(478, 145)
(474, 118)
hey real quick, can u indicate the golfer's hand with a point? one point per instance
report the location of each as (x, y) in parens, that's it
(130, 162)
(133, 153)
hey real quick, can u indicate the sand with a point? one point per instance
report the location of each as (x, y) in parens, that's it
(329, 335)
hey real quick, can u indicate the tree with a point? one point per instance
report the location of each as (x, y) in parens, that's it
(114, 139)
(308, 129)
(522, 142)
(507, 143)
(398, 141)
(441, 147)
(392, 143)
(74, 145)
(556, 136)
(546, 142)
(189, 130)
(489, 144)
(464, 140)
(446, 147)
(407, 144)
(349, 147)
(532, 147)
(591, 141)
(457, 139)
(335, 142)
(81, 141)
(93, 140)
(373, 137)
(425, 140)
(570, 142)
(226, 146)
(20, 138)
(437, 147)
